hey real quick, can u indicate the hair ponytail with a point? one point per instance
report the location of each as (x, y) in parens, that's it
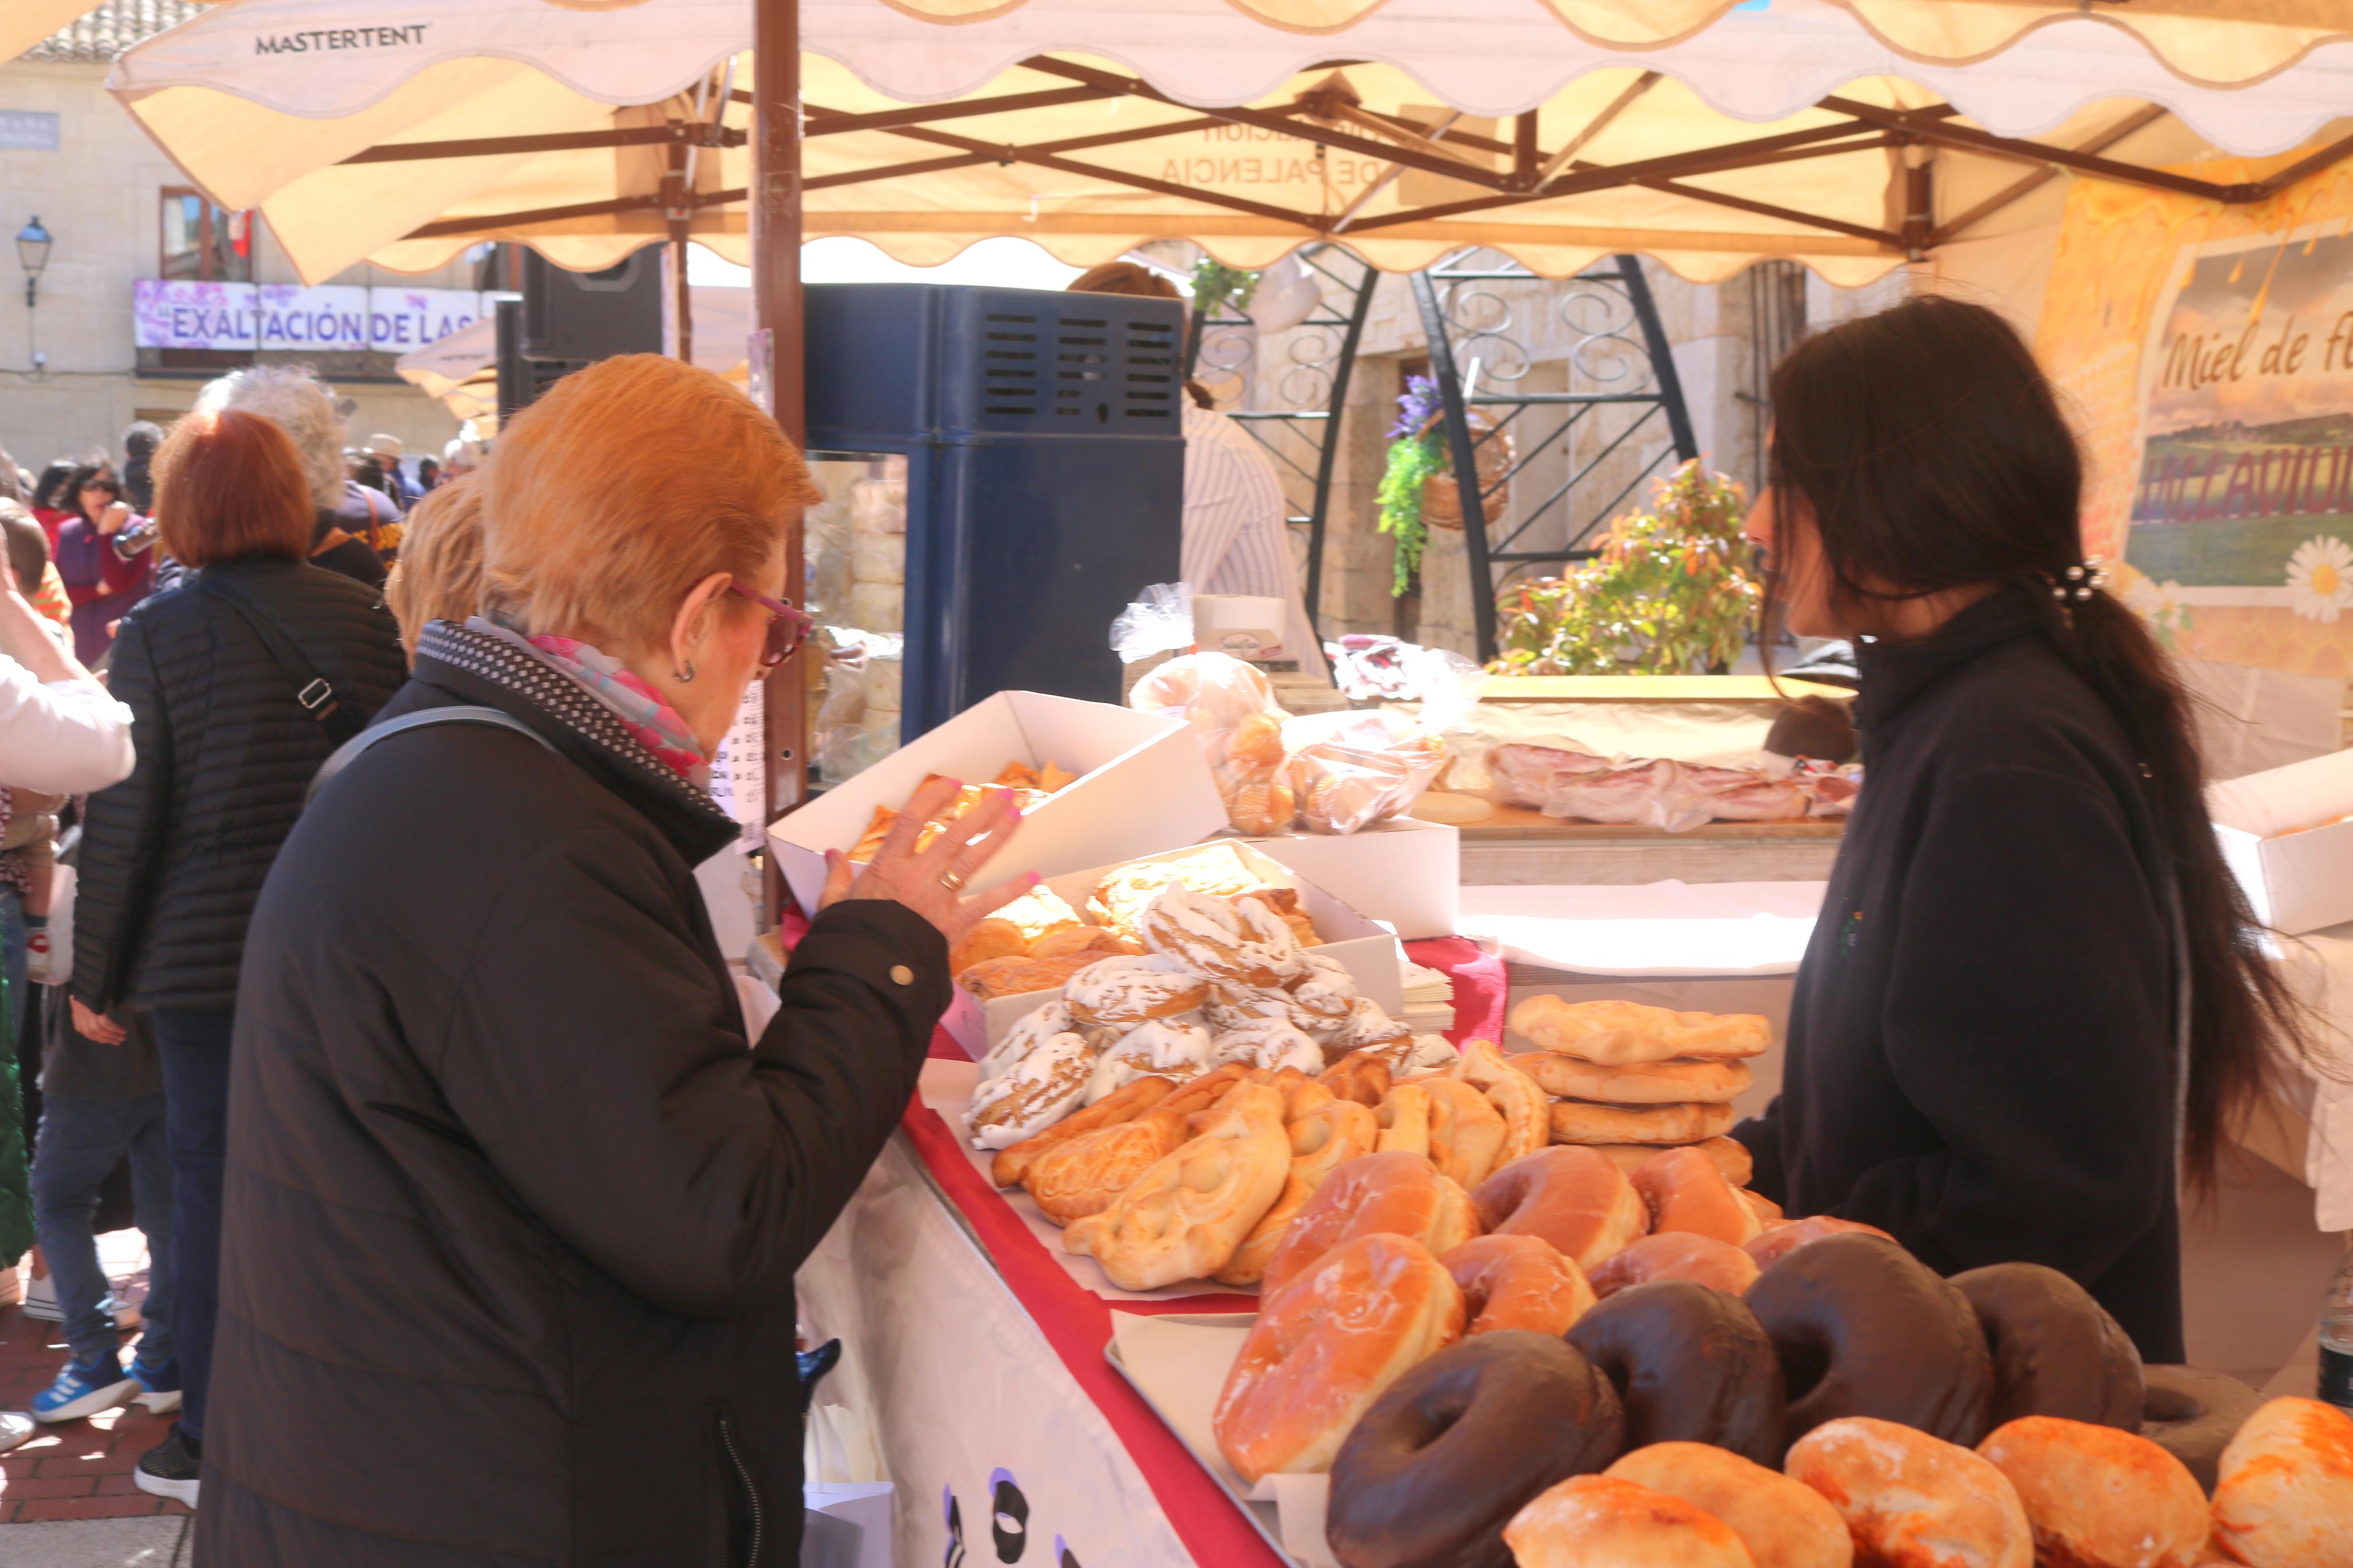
(1931, 455)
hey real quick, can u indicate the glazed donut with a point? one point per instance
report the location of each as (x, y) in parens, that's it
(1731, 1156)
(1685, 1190)
(1404, 1114)
(1778, 1242)
(1322, 1140)
(2099, 1497)
(2285, 1496)
(1123, 992)
(1466, 1133)
(2056, 1352)
(1011, 1165)
(1605, 1521)
(2193, 1416)
(1571, 1197)
(1784, 1523)
(1242, 942)
(1690, 1364)
(1517, 1282)
(1324, 1348)
(1913, 1500)
(1397, 1194)
(1676, 1255)
(1360, 1076)
(1439, 1464)
(1864, 1328)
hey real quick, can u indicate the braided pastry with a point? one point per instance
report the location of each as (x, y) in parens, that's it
(1185, 1217)
(1322, 1141)
(1086, 1175)
(1465, 1131)
(1145, 1094)
(1361, 1076)
(1516, 1097)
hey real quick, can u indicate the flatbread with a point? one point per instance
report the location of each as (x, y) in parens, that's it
(1644, 1083)
(1583, 1121)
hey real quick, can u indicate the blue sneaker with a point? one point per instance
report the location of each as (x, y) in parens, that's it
(159, 1386)
(84, 1390)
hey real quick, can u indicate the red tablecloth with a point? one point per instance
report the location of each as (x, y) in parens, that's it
(1076, 1322)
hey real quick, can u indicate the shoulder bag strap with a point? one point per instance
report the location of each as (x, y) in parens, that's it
(313, 691)
(468, 713)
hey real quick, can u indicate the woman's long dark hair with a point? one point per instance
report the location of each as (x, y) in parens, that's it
(51, 492)
(1931, 455)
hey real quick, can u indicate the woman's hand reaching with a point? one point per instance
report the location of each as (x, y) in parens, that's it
(931, 880)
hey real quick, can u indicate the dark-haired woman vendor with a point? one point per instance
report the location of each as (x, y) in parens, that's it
(2033, 999)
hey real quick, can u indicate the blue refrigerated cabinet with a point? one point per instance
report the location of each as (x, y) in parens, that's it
(1045, 456)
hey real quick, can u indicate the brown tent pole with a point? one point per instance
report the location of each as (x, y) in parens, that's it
(776, 307)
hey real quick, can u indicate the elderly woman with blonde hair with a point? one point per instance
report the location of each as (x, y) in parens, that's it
(513, 1203)
(438, 576)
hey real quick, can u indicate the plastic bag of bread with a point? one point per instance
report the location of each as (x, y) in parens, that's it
(1348, 771)
(1234, 716)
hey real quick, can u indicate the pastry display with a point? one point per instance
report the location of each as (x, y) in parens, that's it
(1573, 1198)
(1584, 1122)
(1086, 1175)
(1778, 1242)
(2193, 1416)
(1691, 1365)
(1438, 1465)
(1393, 1193)
(1684, 1192)
(2284, 1497)
(1676, 1255)
(1784, 1523)
(1012, 1163)
(1183, 1216)
(1888, 1338)
(1323, 1140)
(1517, 1282)
(2056, 1352)
(1640, 1083)
(1325, 1345)
(1045, 1086)
(2099, 1498)
(1466, 1133)
(1913, 1500)
(1590, 1520)
(1619, 1034)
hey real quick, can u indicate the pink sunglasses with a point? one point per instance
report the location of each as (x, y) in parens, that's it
(787, 627)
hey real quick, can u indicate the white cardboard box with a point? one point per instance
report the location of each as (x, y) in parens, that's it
(2297, 878)
(1144, 786)
(1367, 948)
(1405, 873)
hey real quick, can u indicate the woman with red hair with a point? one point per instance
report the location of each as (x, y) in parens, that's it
(240, 682)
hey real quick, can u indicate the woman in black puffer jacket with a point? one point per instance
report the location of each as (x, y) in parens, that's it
(174, 856)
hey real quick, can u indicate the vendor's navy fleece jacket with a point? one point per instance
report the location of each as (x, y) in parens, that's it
(1980, 1048)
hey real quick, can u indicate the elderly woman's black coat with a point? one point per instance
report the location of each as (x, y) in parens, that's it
(512, 1207)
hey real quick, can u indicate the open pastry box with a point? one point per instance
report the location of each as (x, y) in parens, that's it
(2285, 838)
(1367, 948)
(1404, 872)
(1142, 786)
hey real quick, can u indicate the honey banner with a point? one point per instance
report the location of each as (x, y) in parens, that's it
(2208, 353)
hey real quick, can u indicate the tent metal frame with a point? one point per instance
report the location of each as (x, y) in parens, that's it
(1319, 429)
(1660, 398)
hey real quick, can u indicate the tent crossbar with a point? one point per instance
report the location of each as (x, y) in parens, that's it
(842, 123)
(2148, 114)
(677, 133)
(992, 154)
(1972, 140)
(487, 222)
(1773, 210)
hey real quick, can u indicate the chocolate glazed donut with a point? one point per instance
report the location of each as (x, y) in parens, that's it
(1863, 1327)
(2056, 1352)
(1692, 1366)
(1440, 1462)
(2193, 1416)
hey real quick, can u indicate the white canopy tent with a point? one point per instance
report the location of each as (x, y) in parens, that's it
(1845, 136)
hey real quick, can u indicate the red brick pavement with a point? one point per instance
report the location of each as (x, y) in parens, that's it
(77, 1470)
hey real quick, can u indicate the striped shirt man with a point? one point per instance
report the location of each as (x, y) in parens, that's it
(1235, 541)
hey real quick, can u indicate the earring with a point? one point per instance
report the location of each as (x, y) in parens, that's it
(683, 675)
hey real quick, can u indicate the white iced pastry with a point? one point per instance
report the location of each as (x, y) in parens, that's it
(1029, 1032)
(1165, 1047)
(1268, 1044)
(1046, 1085)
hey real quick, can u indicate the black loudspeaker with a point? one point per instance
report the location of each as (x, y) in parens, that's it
(522, 379)
(587, 316)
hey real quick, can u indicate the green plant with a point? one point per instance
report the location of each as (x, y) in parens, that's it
(1216, 285)
(1417, 455)
(1671, 592)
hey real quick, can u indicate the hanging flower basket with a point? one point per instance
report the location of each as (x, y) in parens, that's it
(1441, 497)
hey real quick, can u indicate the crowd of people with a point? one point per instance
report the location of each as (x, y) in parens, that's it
(418, 1064)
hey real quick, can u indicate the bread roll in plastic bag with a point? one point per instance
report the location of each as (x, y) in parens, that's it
(1349, 771)
(1234, 716)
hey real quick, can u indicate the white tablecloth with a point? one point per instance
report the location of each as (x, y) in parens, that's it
(1658, 929)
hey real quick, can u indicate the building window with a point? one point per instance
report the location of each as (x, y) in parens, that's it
(203, 242)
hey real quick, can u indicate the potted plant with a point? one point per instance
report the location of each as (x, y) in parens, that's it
(1672, 591)
(1417, 491)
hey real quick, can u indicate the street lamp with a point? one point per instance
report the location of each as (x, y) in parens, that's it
(32, 255)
